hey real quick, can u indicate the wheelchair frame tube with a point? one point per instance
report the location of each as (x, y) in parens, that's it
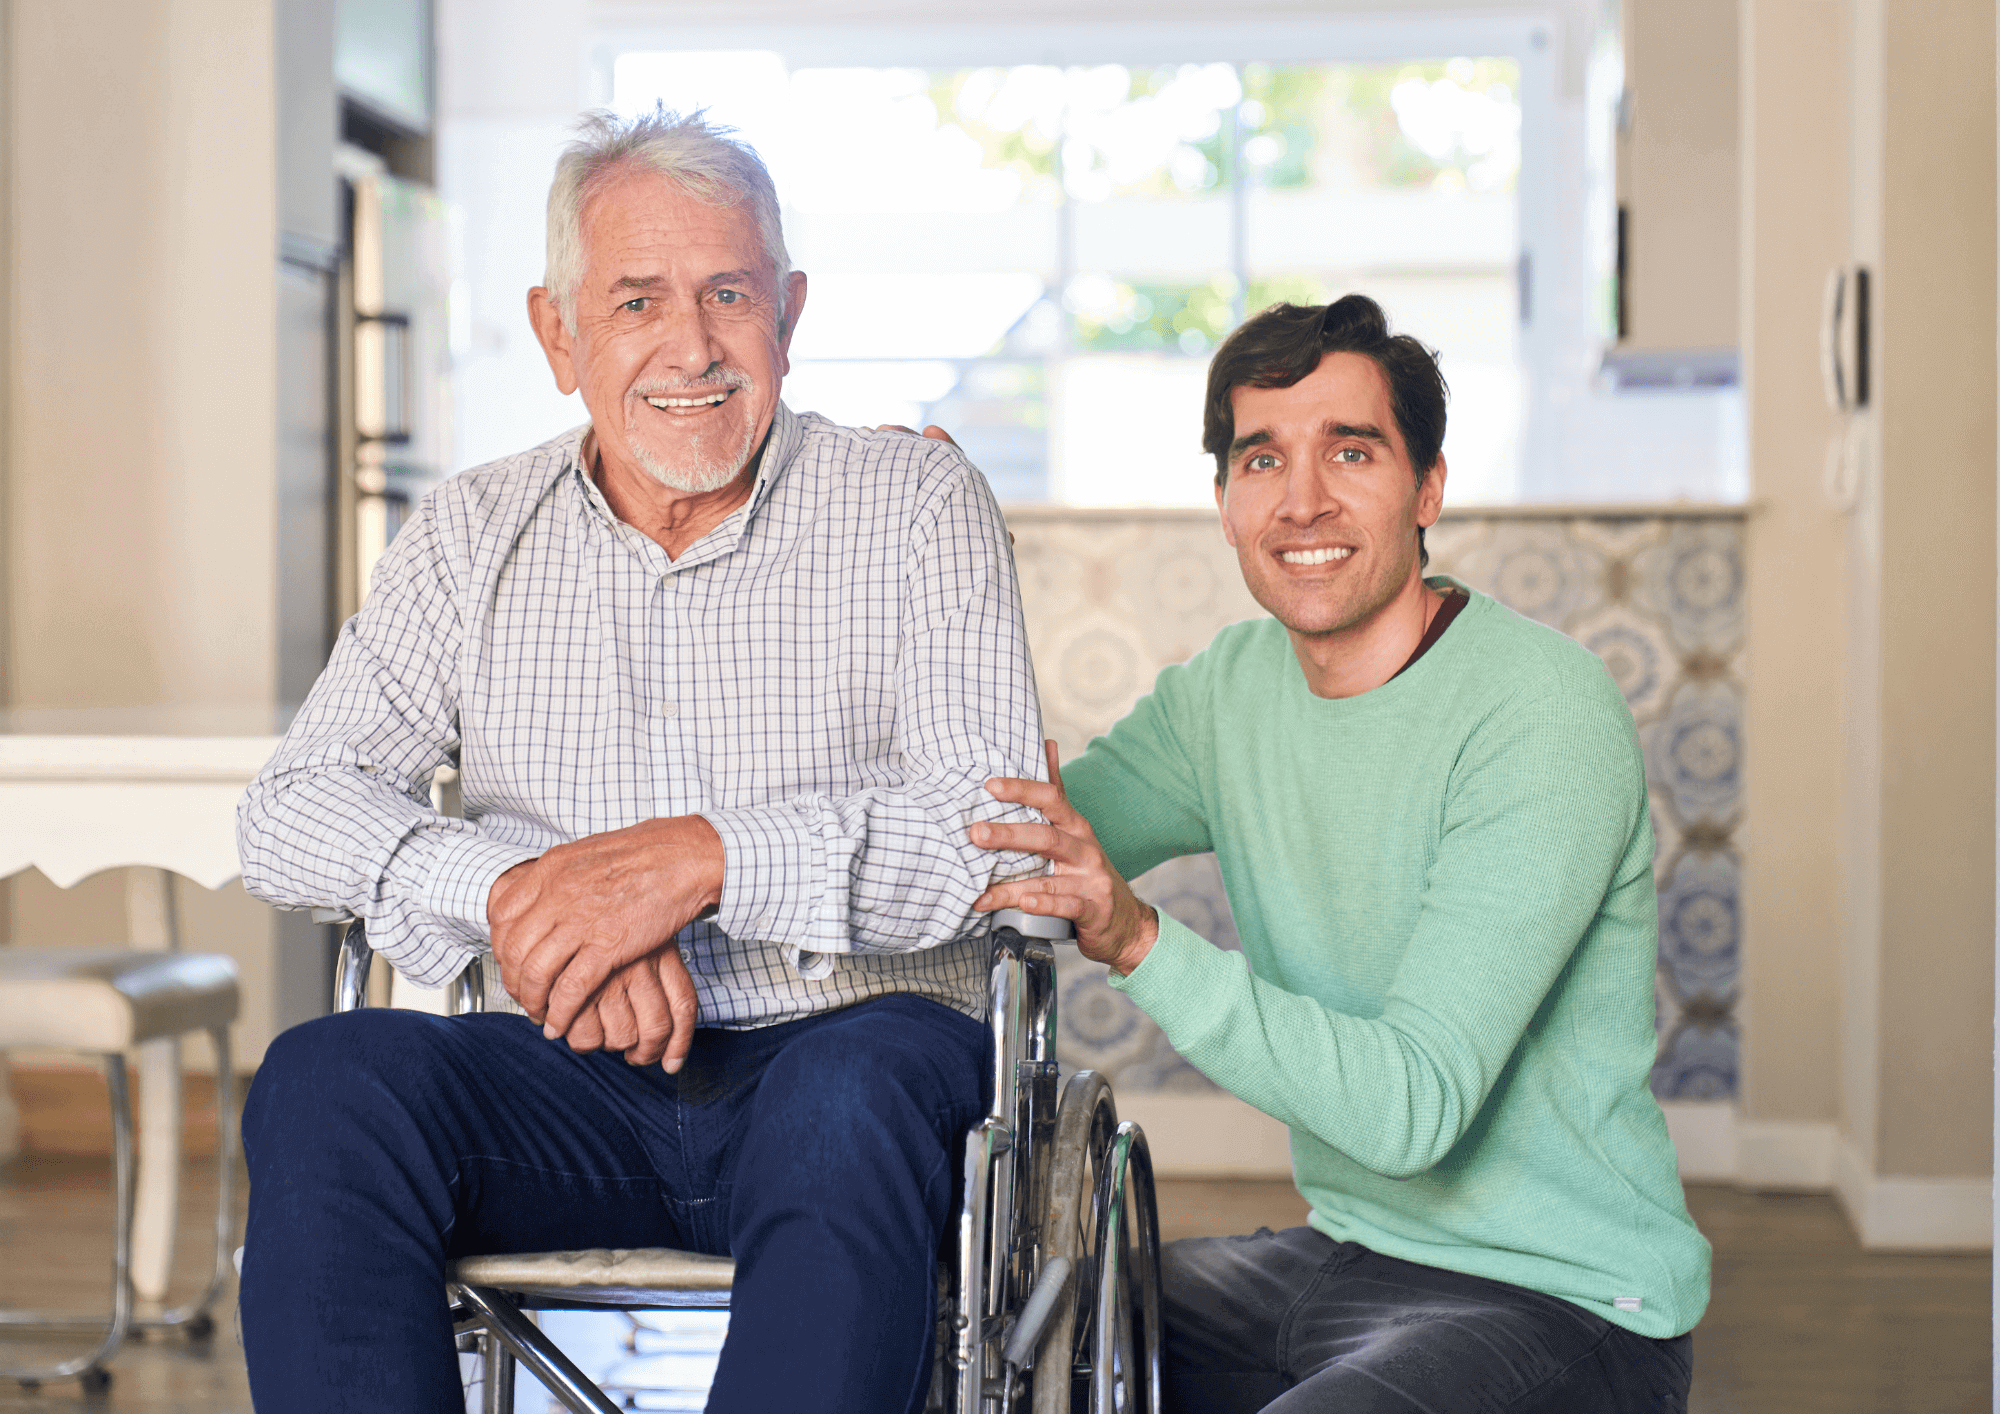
(969, 1321)
(350, 976)
(505, 1322)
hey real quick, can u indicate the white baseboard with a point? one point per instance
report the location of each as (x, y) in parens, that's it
(1912, 1214)
(1786, 1154)
(1209, 1136)
(1704, 1135)
(1717, 1145)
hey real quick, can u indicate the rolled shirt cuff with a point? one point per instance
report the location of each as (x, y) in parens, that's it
(768, 890)
(462, 878)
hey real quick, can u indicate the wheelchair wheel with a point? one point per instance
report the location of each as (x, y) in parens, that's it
(1101, 1351)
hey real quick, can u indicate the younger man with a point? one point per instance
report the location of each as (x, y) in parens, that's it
(1430, 815)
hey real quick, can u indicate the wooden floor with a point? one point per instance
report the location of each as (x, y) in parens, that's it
(1802, 1321)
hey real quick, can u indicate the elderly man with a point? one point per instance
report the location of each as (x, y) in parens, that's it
(722, 684)
(1431, 819)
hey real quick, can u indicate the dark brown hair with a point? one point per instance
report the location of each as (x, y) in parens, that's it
(1286, 342)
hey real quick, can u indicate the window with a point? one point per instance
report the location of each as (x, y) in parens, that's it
(1041, 256)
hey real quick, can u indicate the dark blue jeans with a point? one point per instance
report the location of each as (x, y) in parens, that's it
(1293, 1322)
(818, 1152)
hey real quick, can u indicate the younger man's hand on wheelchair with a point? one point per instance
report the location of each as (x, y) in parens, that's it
(1112, 924)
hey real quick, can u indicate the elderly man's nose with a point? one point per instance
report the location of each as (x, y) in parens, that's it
(686, 341)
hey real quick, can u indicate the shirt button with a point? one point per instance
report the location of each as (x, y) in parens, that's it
(668, 710)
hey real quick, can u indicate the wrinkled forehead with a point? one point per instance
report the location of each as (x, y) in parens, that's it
(635, 212)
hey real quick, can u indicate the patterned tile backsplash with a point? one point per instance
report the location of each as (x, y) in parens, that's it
(1113, 598)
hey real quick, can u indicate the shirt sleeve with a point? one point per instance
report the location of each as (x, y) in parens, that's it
(891, 868)
(341, 816)
(1540, 822)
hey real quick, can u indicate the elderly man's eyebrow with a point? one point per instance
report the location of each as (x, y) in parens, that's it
(654, 282)
(1366, 431)
(1246, 442)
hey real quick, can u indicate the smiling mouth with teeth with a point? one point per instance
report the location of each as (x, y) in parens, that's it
(1316, 557)
(705, 400)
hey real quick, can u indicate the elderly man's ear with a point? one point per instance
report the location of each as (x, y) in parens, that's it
(795, 303)
(554, 336)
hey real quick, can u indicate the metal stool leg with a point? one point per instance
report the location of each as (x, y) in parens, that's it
(90, 1368)
(160, 1118)
(194, 1316)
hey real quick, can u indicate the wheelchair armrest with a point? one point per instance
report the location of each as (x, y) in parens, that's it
(1033, 925)
(350, 976)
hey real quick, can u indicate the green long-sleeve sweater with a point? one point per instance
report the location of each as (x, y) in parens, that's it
(1445, 893)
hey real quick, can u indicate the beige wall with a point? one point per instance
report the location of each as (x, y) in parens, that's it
(141, 390)
(1794, 230)
(139, 488)
(1937, 627)
(1869, 137)
(1677, 173)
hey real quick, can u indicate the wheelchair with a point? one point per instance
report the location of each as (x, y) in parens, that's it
(1048, 1288)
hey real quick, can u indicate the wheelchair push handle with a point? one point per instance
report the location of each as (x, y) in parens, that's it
(1033, 925)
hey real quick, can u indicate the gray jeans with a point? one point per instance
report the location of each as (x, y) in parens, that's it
(1293, 1322)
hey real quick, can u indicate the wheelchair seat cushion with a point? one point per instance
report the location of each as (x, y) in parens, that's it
(634, 1276)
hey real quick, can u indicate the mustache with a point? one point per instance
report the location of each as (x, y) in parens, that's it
(714, 377)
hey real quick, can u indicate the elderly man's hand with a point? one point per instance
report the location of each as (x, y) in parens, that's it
(645, 1009)
(1112, 925)
(564, 923)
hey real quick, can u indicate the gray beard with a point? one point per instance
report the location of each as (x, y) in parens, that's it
(696, 474)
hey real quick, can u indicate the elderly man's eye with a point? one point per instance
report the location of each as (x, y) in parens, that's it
(637, 306)
(729, 297)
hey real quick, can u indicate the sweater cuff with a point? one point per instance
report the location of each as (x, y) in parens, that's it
(462, 878)
(766, 874)
(1179, 966)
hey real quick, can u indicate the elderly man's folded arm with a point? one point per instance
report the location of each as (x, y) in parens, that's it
(890, 869)
(341, 816)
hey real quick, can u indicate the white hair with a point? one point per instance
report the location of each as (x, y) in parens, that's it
(699, 157)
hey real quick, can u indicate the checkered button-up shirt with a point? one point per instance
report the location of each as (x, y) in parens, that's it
(828, 676)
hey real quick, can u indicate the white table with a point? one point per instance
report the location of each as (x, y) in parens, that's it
(81, 792)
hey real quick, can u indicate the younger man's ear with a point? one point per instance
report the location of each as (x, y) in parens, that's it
(1430, 494)
(1222, 510)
